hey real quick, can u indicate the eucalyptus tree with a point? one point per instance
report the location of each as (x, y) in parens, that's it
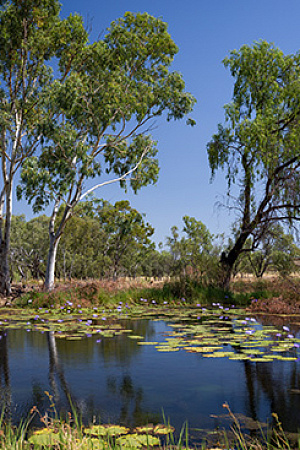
(259, 145)
(127, 236)
(193, 252)
(199, 246)
(31, 35)
(29, 246)
(116, 87)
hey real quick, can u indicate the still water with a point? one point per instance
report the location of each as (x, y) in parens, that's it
(118, 381)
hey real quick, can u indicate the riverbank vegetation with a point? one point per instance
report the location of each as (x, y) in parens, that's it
(70, 434)
(108, 248)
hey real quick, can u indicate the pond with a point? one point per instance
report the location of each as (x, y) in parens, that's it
(135, 370)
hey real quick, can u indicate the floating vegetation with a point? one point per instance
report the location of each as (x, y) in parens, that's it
(216, 332)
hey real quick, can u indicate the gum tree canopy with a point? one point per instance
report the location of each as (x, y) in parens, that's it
(31, 35)
(259, 145)
(99, 116)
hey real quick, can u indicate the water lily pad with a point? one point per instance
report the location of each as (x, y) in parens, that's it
(166, 349)
(147, 440)
(130, 441)
(145, 428)
(44, 437)
(163, 429)
(104, 430)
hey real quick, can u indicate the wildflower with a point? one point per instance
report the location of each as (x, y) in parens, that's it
(95, 315)
(98, 341)
(290, 336)
(285, 328)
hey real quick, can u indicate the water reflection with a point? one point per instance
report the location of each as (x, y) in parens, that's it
(5, 389)
(119, 381)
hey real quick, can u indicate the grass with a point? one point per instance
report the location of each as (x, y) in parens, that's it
(58, 434)
(107, 294)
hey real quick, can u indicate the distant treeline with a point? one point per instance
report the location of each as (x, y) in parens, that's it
(105, 241)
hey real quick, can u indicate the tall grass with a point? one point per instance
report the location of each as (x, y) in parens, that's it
(59, 434)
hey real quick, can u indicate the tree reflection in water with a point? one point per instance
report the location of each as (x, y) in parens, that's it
(5, 389)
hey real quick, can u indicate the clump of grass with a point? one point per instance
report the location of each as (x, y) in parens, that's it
(70, 434)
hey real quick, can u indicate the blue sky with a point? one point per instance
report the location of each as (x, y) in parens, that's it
(205, 32)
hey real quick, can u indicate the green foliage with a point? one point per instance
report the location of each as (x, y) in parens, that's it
(193, 254)
(258, 147)
(108, 90)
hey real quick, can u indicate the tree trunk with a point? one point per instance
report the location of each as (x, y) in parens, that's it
(50, 271)
(5, 286)
(228, 260)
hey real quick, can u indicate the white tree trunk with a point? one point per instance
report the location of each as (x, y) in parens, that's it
(5, 287)
(50, 271)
